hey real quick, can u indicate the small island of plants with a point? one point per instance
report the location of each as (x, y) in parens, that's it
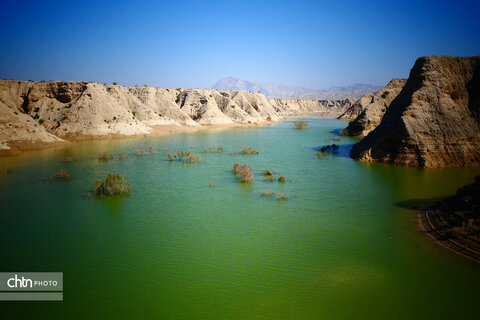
(113, 184)
(243, 172)
(300, 124)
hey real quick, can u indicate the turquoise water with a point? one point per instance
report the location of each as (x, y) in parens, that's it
(343, 246)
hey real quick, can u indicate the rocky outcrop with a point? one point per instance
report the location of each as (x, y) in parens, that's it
(434, 121)
(355, 109)
(455, 221)
(58, 110)
(369, 110)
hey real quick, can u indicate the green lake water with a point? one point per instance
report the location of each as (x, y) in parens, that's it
(345, 245)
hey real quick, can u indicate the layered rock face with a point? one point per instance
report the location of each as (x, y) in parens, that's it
(434, 120)
(355, 109)
(53, 111)
(369, 110)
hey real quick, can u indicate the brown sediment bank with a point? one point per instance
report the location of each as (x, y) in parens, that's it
(455, 221)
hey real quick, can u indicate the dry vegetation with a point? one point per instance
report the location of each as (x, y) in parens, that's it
(62, 174)
(300, 124)
(113, 184)
(185, 156)
(326, 150)
(243, 172)
(218, 149)
(105, 156)
(248, 150)
(269, 178)
(267, 172)
(266, 193)
(282, 196)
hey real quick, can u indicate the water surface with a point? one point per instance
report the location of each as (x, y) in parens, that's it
(344, 245)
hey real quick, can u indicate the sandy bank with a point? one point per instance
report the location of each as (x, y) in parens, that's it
(18, 147)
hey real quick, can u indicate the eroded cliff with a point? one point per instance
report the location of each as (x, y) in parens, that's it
(58, 110)
(434, 121)
(370, 109)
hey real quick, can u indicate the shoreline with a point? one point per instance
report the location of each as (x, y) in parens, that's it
(321, 114)
(20, 147)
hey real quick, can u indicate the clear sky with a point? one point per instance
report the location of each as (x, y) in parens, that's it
(194, 43)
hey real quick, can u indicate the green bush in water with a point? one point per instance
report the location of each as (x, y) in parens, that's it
(113, 184)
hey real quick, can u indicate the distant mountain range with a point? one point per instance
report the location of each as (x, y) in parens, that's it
(292, 92)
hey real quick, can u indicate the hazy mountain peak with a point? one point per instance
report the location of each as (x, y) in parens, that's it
(282, 91)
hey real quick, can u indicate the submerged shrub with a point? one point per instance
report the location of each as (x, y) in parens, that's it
(269, 178)
(326, 150)
(105, 156)
(300, 124)
(248, 150)
(211, 184)
(282, 196)
(281, 179)
(113, 184)
(218, 149)
(62, 174)
(268, 193)
(267, 172)
(243, 172)
(320, 154)
(122, 156)
(185, 156)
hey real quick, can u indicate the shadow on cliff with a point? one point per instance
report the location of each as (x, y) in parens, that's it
(473, 87)
(385, 140)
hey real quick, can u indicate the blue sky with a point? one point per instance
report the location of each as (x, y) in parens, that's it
(171, 44)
